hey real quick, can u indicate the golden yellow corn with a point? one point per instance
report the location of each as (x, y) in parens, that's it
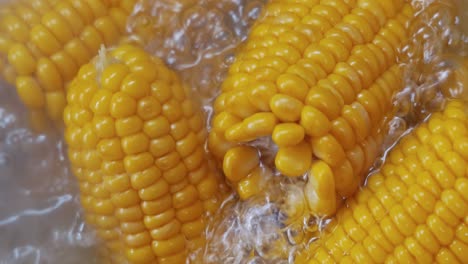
(414, 210)
(136, 144)
(318, 78)
(43, 43)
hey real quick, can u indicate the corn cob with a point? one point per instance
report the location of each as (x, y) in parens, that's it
(319, 79)
(43, 43)
(136, 145)
(414, 210)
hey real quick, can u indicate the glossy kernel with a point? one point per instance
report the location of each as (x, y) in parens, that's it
(238, 162)
(286, 108)
(288, 134)
(294, 161)
(328, 149)
(122, 105)
(314, 122)
(22, 59)
(320, 189)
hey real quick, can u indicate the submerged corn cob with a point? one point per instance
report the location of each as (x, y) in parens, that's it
(136, 145)
(415, 209)
(319, 79)
(43, 43)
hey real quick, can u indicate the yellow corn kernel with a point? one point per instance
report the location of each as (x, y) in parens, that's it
(259, 124)
(66, 10)
(48, 40)
(251, 184)
(91, 39)
(48, 75)
(320, 189)
(44, 40)
(56, 102)
(328, 149)
(65, 64)
(23, 61)
(288, 134)
(140, 255)
(122, 105)
(325, 99)
(15, 27)
(395, 218)
(57, 26)
(30, 92)
(326, 72)
(239, 162)
(108, 29)
(294, 161)
(141, 157)
(287, 108)
(314, 122)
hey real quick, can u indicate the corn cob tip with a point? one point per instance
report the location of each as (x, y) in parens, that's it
(136, 145)
(318, 79)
